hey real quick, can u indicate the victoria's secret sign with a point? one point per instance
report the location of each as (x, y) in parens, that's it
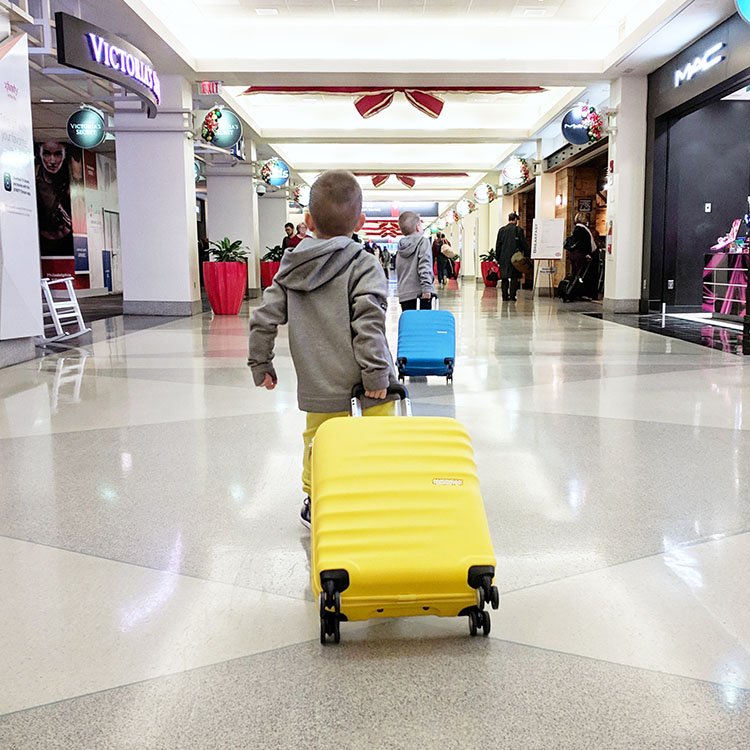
(86, 47)
(119, 59)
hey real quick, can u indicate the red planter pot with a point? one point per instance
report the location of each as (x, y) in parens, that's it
(487, 266)
(268, 269)
(225, 286)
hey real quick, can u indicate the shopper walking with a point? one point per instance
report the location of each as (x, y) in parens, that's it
(510, 239)
(582, 250)
(301, 234)
(328, 279)
(415, 278)
(289, 233)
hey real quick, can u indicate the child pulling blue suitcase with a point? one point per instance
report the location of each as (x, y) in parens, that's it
(426, 343)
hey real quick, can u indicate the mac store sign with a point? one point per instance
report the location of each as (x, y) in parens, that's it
(94, 50)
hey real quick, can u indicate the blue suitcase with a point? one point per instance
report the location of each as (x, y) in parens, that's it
(426, 343)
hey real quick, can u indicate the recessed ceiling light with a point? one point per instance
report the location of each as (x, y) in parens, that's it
(46, 101)
(267, 11)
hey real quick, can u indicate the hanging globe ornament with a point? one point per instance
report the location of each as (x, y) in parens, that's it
(301, 195)
(517, 171)
(484, 193)
(275, 172)
(463, 208)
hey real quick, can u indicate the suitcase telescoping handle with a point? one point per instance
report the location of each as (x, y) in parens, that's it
(359, 390)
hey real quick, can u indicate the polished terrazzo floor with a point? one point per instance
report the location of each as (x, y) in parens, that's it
(154, 576)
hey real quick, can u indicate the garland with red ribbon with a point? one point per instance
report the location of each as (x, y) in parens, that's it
(370, 100)
(409, 180)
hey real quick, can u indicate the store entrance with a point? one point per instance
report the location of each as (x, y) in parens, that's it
(702, 184)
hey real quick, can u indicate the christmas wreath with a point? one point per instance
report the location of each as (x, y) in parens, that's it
(211, 124)
(593, 122)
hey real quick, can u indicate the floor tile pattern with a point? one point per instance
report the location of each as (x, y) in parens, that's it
(155, 579)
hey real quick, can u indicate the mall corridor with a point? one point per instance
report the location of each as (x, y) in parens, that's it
(156, 577)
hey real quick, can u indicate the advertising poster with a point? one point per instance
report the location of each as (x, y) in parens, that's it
(78, 215)
(20, 294)
(90, 171)
(61, 205)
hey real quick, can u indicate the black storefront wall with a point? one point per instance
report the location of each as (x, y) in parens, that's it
(708, 162)
(698, 153)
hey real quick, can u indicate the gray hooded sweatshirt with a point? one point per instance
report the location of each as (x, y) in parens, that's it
(414, 267)
(334, 297)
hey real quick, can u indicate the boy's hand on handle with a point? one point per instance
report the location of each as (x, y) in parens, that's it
(378, 395)
(268, 382)
(427, 295)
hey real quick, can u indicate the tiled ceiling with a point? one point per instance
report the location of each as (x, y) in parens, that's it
(570, 10)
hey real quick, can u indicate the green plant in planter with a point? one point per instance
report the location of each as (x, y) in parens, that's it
(228, 251)
(489, 257)
(274, 254)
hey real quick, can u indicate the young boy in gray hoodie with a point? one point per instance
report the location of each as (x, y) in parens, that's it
(416, 279)
(334, 296)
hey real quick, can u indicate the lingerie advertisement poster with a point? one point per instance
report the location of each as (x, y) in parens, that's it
(61, 205)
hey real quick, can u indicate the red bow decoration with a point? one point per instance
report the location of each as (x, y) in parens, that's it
(404, 179)
(372, 99)
(379, 178)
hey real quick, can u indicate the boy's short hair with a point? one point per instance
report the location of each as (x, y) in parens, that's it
(513, 216)
(408, 222)
(335, 203)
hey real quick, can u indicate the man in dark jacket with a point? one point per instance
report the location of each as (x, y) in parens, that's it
(510, 239)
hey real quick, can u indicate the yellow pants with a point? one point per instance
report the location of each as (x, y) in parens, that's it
(315, 419)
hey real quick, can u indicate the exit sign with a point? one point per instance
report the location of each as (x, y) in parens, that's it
(211, 88)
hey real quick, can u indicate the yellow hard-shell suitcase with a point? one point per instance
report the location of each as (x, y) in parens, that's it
(398, 522)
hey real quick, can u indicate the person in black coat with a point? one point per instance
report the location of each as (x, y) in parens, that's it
(582, 250)
(510, 240)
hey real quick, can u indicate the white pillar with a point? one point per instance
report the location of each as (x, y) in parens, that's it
(545, 196)
(626, 204)
(507, 209)
(157, 205)
(232, 211)
(473, 269)
(272, 215)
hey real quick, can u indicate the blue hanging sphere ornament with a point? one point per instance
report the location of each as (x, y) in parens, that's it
(743, 8)
(275, 172)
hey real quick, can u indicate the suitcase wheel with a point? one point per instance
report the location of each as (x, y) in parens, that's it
(477, 620)
(330, 622)
(330, 625)
(487, 594)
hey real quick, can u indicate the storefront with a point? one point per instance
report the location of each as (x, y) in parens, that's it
(581, 187)
(698, 179)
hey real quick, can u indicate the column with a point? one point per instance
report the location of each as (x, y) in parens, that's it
(545, 196)
(232, 211)
(156, 187)
(272, 215)
(472, 269)
(626, 199)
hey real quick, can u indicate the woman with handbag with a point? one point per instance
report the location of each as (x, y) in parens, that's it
(448, 256)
